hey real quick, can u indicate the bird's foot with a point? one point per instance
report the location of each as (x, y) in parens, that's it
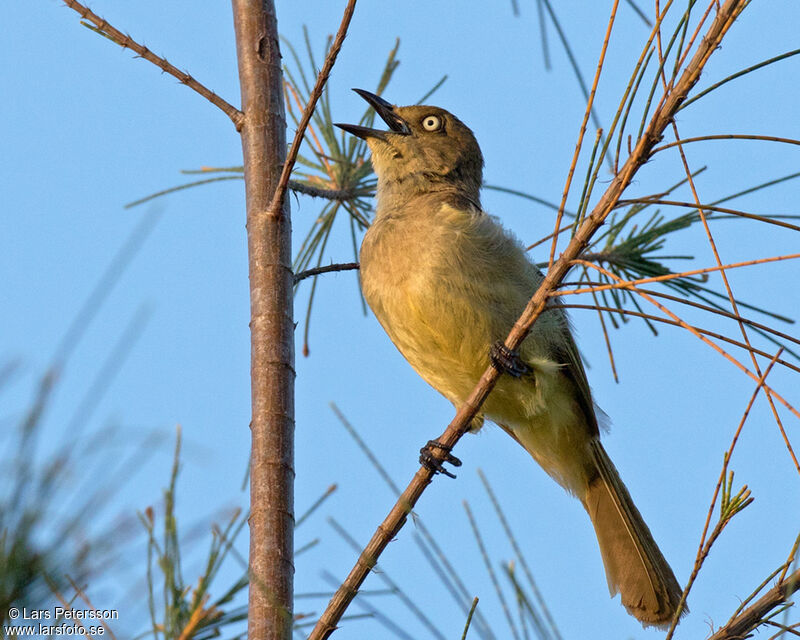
(508, 361)
(430, 461)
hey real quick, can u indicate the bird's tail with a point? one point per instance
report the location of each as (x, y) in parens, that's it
(635, 567)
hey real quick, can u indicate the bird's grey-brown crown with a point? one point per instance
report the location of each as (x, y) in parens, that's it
(425, 149)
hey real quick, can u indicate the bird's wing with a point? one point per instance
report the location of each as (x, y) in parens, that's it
(566, 353)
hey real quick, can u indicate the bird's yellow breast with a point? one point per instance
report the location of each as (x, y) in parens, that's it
(445, 285)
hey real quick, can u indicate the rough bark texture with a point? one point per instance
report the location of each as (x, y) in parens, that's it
(271, 323)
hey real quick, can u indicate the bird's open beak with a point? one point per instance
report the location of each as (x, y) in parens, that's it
(387, 113)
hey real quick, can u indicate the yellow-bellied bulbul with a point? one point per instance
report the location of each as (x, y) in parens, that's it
(447, 281)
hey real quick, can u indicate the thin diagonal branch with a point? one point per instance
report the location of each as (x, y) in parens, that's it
(675, 323)
(720, 312)
(582, 132)
(126, 42)
(731, 297)
(624, 284)
(739, 74)
(705, 544)
(708, 207)
(697, 334)
(792, 559)
(308, 112)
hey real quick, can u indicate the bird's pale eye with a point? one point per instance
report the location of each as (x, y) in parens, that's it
(431, 123)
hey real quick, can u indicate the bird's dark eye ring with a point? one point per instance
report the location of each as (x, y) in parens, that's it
(431, 123)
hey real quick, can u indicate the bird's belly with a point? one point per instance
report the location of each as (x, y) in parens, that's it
(442, 337)
(446, 336)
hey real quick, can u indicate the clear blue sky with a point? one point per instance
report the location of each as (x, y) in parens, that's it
(87, 128)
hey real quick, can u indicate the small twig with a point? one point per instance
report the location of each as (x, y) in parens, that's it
(624, 284)
(68, 607)
(526, 196)
(705, 546)
(792, 559)
(180, 187)
(674, 323)
(697, 334)
(606, 337)
(783, 628)
(469, 617)
(742, 625)
(339, 195)
(703, 307)
(543, 34)
(758, 589)
(681, 57)
(518, 551)
(707, 207)
(729, 136)
(425, 541)
(566, 227)
(345, 266)
(731, 297)
(315, 505)
(126, 42)
(200, 614)
(587, 113)
(320, 150)
(738, 74)
(103, 287)
(85, 598)
(576, 69)
(283, 184)
(488, 564)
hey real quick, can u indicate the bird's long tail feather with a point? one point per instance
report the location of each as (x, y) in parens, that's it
(634, 565)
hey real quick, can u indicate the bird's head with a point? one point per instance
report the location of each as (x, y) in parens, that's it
(425, 150)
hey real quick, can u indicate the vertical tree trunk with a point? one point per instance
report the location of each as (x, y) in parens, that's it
(271, 323)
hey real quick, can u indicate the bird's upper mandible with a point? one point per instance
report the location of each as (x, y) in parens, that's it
(424, 148)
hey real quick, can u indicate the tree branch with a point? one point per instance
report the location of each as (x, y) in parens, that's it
(263, 131)
(126, 42)
(266, 170)
(322, 78)
(742, 625)
(660, 119)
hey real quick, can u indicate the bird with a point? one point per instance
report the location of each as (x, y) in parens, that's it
(447, 282)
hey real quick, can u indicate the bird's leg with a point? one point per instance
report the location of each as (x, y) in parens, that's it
(430, 461)
(508, 361)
